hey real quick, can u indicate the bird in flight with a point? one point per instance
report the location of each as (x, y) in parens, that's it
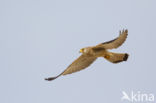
(91, 53)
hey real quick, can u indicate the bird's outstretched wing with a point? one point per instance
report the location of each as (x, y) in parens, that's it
(115, 43)
(80, 63)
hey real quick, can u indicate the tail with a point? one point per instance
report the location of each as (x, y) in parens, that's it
(116, 57)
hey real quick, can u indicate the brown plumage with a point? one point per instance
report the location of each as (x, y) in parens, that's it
(90, 54)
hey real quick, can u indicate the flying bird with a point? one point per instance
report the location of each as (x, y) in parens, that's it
(90, 54)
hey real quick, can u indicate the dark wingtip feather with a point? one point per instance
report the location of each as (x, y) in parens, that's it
(50, 79)
(53, 78)
(125, 57)
(126, 30)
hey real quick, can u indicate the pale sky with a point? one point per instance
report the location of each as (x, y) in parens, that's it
(40, 38)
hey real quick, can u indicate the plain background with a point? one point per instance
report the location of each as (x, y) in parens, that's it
(40, 38)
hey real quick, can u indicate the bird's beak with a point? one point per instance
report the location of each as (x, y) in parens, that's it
(80, 51)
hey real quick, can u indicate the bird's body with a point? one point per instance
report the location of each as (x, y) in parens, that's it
(90, 54)
(92, 51)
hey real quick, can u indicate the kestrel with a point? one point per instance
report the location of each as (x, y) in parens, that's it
(90, 54)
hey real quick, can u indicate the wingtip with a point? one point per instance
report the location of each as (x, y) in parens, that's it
(123, 31)
(126, 30)
(50, 79)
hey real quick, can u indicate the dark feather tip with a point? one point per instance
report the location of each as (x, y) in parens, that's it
(125, 57)
(50, 79)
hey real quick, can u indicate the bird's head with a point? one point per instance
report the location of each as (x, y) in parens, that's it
(83, 50)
